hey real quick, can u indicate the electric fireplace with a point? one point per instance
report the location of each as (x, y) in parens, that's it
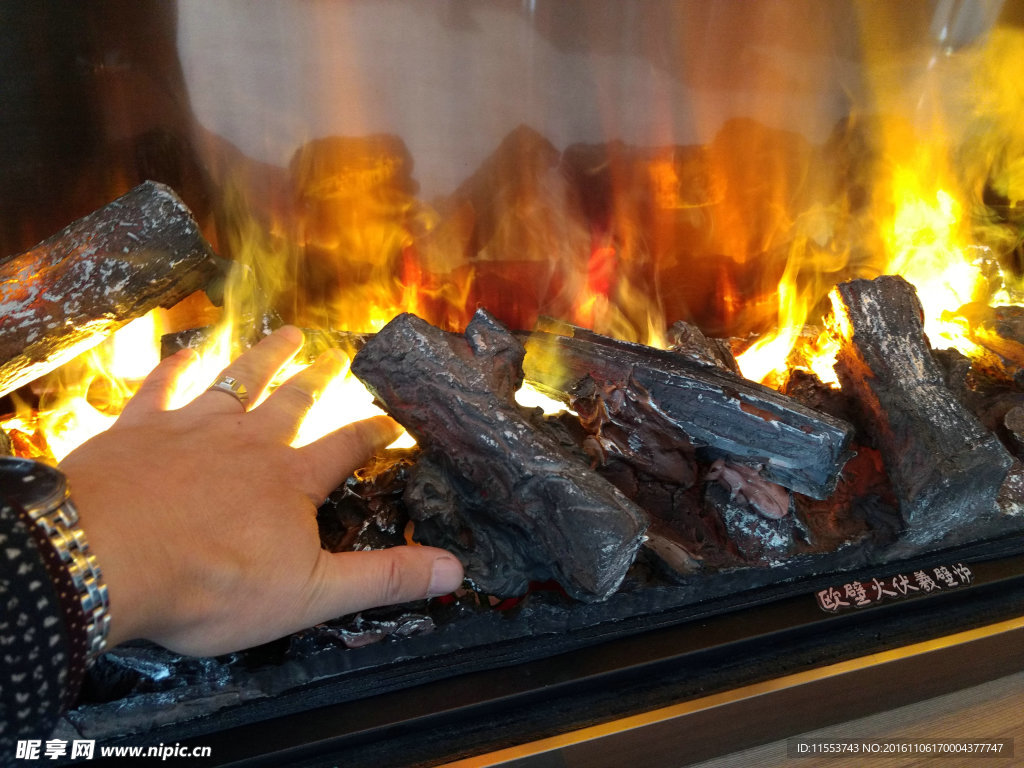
(760, 263)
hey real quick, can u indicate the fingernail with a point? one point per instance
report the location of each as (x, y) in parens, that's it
(445, 577)
(292, 333)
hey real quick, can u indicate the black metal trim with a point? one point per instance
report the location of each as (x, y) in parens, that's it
(470, 706)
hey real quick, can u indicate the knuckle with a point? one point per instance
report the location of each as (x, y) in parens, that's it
(300, 472)
(296, 398)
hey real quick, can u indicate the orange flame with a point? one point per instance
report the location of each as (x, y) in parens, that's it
(924, 218)
(745, 235)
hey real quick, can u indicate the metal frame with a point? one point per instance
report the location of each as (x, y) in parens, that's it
(751, 715)
(680, 693)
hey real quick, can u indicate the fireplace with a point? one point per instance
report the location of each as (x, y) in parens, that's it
(629, 177)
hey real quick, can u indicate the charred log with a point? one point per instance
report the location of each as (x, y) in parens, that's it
(142, 251)
(1010, 499)
(502, 495)
(863, 508)
(995, 402)
(945, 467)
(685, 402)
(685, 533)
(367, 512)
(757, 514)
(805, 387)
(760, 541)
(1013, 421)
(669, 552)
(618, 425)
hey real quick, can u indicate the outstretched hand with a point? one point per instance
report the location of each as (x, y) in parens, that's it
(203, 519)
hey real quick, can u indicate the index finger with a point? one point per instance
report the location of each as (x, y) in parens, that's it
(155, 392)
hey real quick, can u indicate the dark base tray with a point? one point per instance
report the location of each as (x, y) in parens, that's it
(425, 711)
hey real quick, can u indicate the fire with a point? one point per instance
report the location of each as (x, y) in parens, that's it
(772, 354)
(84, 397)
(928, 250)
(343, 401)
(926, 218)
(924, 239)
(744, 236)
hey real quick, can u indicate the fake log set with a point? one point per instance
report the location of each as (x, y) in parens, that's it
(672, 459)
(502, 494)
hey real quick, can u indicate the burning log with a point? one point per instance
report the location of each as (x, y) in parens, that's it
(945, 467)
(675, 398)
(489, 486)
(142, 251)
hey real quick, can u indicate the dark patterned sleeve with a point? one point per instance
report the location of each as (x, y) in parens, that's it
(42, 657)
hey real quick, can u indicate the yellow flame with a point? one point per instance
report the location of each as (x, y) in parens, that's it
(528, 397)
(343, 401)
(926, 247)
(135, 348)
(83, 397)
(212, 357)
(928, 159)
(771, 353)
(810, 270)
(752, 224)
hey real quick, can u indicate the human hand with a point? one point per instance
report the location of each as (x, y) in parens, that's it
(203, 519)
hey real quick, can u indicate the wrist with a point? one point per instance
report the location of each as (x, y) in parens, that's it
(136, 570)
(41, 491)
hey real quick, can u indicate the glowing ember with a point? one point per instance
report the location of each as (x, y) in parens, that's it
(528, 397)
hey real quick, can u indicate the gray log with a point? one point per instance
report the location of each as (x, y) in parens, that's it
(67, 294)
(945, 467)
(682, 399)
(501, 494)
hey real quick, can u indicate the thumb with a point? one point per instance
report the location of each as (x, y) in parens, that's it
(355, 581)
